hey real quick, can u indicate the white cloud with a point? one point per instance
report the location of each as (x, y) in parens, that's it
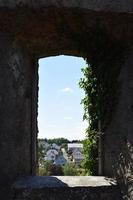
(67, 89)
(67, 118)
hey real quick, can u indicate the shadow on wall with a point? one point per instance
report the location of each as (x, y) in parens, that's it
(39, 182)
(58, 188)
(124, 164)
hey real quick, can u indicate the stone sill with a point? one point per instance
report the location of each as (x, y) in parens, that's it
(66, 188)
(63, 181)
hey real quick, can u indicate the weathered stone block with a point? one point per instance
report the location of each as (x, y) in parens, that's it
(66, 188)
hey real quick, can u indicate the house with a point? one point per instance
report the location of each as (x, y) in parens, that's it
(42, 143)
(51, 154)
(77, 157)
(55, 146)
(73, 146)
(60, 160)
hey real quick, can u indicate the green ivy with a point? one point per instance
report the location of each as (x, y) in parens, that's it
(101, 86)
(90, 103)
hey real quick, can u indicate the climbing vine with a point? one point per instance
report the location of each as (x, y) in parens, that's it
(90, 103)
(101, 87)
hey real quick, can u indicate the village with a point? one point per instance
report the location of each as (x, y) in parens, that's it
(59, 155)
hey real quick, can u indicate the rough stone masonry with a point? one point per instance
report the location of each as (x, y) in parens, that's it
(30, 30)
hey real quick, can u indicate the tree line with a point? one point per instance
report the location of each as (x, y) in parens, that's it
(60, 141)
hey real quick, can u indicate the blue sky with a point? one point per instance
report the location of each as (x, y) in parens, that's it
(60, 112)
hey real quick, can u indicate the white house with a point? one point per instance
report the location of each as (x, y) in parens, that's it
(51, 155)
(73, 146)
(77, 157)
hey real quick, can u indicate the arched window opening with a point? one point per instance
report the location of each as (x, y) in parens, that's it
(60, 116)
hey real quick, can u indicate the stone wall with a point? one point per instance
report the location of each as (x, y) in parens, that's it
(15, 113)
(118, 140)
(30, 30)
(57, 188)
(95, 5)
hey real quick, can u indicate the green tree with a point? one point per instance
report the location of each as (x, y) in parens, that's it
(55, 170)
(41, 154)
(58, 141)
(70, 169)
(49, 169)
(43, 169)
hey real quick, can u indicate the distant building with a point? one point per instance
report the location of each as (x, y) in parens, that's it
(51, 155)
(73, 146)
(60, 160)
(76, 150)
(55, 146)
(77, 157)
(43, 143)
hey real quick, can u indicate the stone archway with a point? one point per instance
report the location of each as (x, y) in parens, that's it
(31, 30)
